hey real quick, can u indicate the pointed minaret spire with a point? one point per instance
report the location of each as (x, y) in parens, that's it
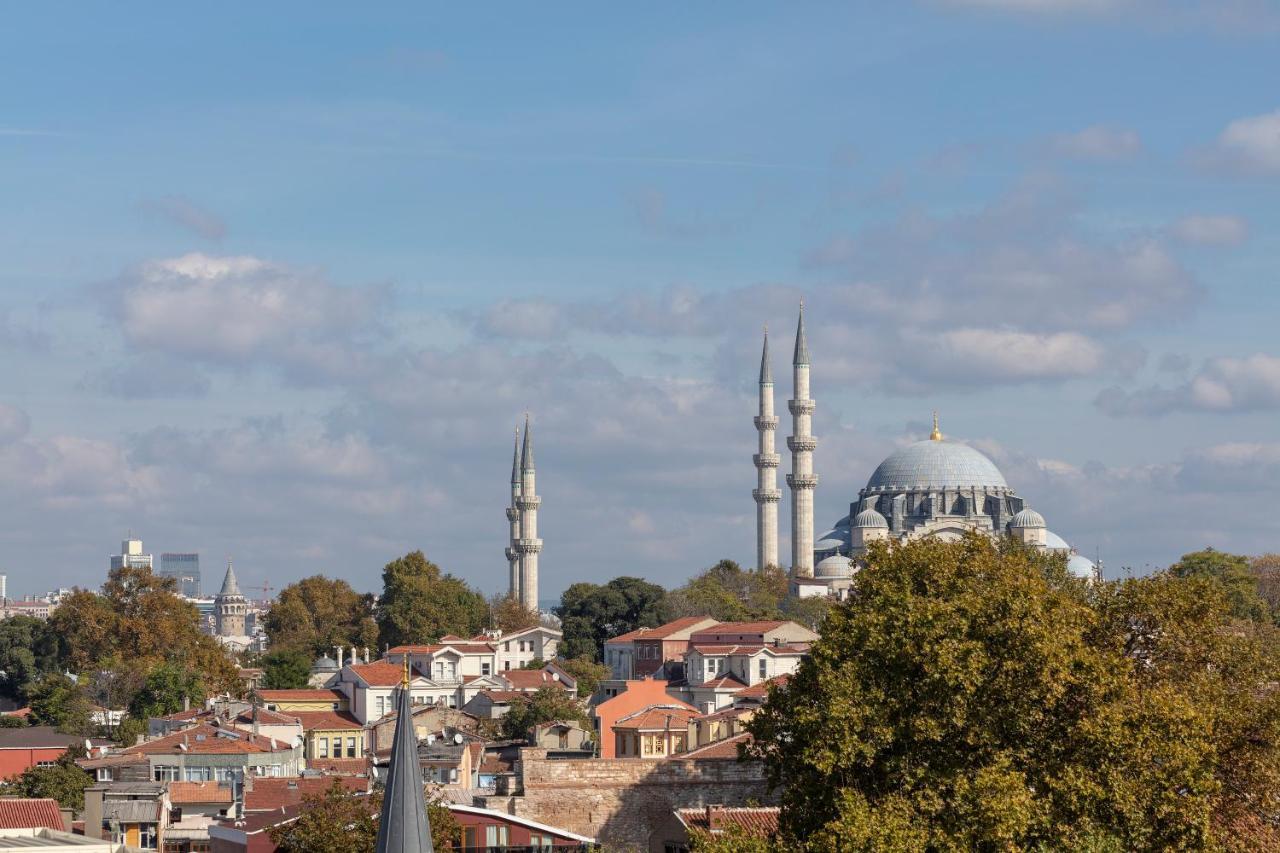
(526, 455)
(802, 479)
(404, 826)
(513, 523)
(515, 458)
(528, 545)
(766, 493)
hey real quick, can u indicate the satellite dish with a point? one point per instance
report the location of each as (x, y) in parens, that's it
(457, 738)
(431, 739)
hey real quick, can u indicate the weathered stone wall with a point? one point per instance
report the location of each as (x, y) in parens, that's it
(622, 801)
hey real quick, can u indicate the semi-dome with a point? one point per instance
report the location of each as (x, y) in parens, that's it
(935, 464)
(1027, 518)
(870, 518)
(1081, 567)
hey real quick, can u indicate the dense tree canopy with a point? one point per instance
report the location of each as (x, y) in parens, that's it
(1266, 571)
(341, 821)
(286, 669)
(973, 696)
(28, 651)
(316, 614)
(508, 614)
(545, 705)
(730, 593)
(1233, 573)
(58, 701)
(588, 673)
(420, 604)
(166, 690)
(592, 613)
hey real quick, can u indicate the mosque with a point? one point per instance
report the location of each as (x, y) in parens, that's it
(934, 487)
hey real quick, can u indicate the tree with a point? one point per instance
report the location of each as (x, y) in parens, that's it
(317, 614)
(545, 705)
(588, 673)
(590, 613)
(9, 721)
(64, 781)
(58, 701)
(286, 670)
(166, 690)
(730, 593)
(733, 840)
(809, 611)
(342, 821)
(973, 696)
(1232, 573)
(420, 604)
(509, 615)
(1266, 571)
(128, 732)
(28, 651)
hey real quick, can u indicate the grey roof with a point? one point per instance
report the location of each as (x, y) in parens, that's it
(869, 518)
(766, 373)
(131, 811)
(1054, 542)
(526, 454)
(324, 664)
(928, 465)
(36, 737)
(404, 827)
(1027, 518)
(48, 839)
(515, 459)
(802, 344)
(229, 586)
(1081, 567)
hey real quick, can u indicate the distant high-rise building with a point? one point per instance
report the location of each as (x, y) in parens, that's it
(4, 589)
(185, 569)
(131, 555)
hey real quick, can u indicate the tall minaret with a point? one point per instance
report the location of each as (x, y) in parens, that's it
(513, 517)
(528, 544)
(802, 480)
(766, 492)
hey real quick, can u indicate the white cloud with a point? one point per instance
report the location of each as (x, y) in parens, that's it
(1250, 144)
(1098, 142)
(1221, 385)
(1208, 230)
(1002, 354)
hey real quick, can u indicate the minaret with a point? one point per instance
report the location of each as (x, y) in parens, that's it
(513, 517)
(405, 826)
(766, 493)
(802, 480)
(528, 544)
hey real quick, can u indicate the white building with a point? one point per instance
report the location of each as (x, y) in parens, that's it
(131, 555)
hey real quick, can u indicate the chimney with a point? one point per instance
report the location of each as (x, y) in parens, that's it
(715, 817)
(366, 654)
(354, 657)
(255, 721)
(339, 648)
(186, 703)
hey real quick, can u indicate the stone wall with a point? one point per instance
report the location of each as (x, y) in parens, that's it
(621, 802)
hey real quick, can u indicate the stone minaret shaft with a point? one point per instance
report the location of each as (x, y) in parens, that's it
(513, 519)
(766, 493)
(528, 544)
(802, 480)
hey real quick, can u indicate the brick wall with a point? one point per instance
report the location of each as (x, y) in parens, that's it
(622, 801)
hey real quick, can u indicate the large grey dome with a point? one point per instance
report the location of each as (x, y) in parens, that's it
(935, 464)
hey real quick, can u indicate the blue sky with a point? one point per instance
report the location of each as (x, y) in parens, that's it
(278, 282)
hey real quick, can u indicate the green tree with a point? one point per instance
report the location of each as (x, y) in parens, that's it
(973, 696)
(58, 701)
(509, 615)
(316, 614)
(1233, 573)
(9, 721)
(28, 651)
(341, 821)
(1266, 571)
(730, 593)
(64, 782)
(588, 673)
(420, 604)
(128, 732)
(591, 613)
(545, 705)
(286, 670)
(166, 689)
(733, 840)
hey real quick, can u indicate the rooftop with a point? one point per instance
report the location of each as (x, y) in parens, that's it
(181, 793)
(205, 739)
(323, 695)
(326, 720)
(18, 812)
(756, 822)
(721, 749)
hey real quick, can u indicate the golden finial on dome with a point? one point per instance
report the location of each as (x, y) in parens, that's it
(936, 435)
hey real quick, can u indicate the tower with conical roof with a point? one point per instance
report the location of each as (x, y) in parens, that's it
(513, 521)
(801, 443)
(528, 545)
(230, 607)
(404, 826)
(766, 493)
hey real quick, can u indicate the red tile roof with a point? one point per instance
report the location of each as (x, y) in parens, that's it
(761, 690)
(339, 766)
(657, 718)
(754, 822)
(531, 679)
(323, 695)
(18, 813)
(760, 627)
(326, 720)
(457, 644)
(181, 793)
(501, 695)
(727, 748)
(726, 680)
(205, 739)
(380, 673)
(708, 648)
(663, 631)
(276, 793)
(272, 718)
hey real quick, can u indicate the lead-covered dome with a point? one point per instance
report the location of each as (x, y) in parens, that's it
(935, 464)
(1027, 518)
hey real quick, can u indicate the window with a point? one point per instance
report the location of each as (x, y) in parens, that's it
(322, 747)
(104, 774)
(564, 738)
(351, 747)
(764, 668)
(541, 842)
(147, 836)
(506, 647)
(165, 773)
(46, 764)
(382, 706)
(506, 664)
(224, 774)
(199, 774)
(495, 836)
(484, 668)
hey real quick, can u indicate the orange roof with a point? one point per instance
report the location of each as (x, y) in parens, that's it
(748, 648)
(530, 679)
(312, 720)
(268, 794)
(457, 644)
(657, 717)
(380, 673)
(270, 718)
(21, 712)
(761, 690)
(30, 814)
(198, 792)
(727, 748)
(339, 766)
(761, 627)
(205, 739)
(663, 631)
(755, 822)
(501, 695)
(323, 695)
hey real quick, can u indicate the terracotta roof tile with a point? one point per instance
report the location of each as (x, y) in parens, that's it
(18, 813)
(272, 718)
(283, 792)
(339, 766)
(743, 627)
(312, 720)
(199, 792)
(755, 822)
(721, 749)
(531, 679)
(501, 695)
(657, 717)
(726, 680)
(323, 695)
(380, 673)
(761, 690)
(205, 739)
(663, 631)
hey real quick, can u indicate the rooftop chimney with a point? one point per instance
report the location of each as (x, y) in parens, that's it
(339, 648)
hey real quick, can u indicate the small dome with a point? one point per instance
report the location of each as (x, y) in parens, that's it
(870, 518)
(1027, 518)
(1081, 567)
(324, 664)
(834, 566)
(1054, 542)
(935, 464)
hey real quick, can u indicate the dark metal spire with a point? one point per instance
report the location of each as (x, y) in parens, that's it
(766, 373)
(404, 826)
(515, 459)
(802, 345)
(526, 455)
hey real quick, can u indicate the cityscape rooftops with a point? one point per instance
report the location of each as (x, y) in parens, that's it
(18, 812)
(206, 739)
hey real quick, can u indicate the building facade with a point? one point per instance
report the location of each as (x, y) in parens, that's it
(131, 555)
(185, 570)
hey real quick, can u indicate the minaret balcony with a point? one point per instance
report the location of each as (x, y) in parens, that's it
(802, 481)
(512, 513)
(762, 422)
(801, 407)
(766, 496)
(528, 502)
(528, 546)
(512, 554)
(766, 460)
(802, 443)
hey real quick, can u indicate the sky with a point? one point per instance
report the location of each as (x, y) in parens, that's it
(278, 282)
